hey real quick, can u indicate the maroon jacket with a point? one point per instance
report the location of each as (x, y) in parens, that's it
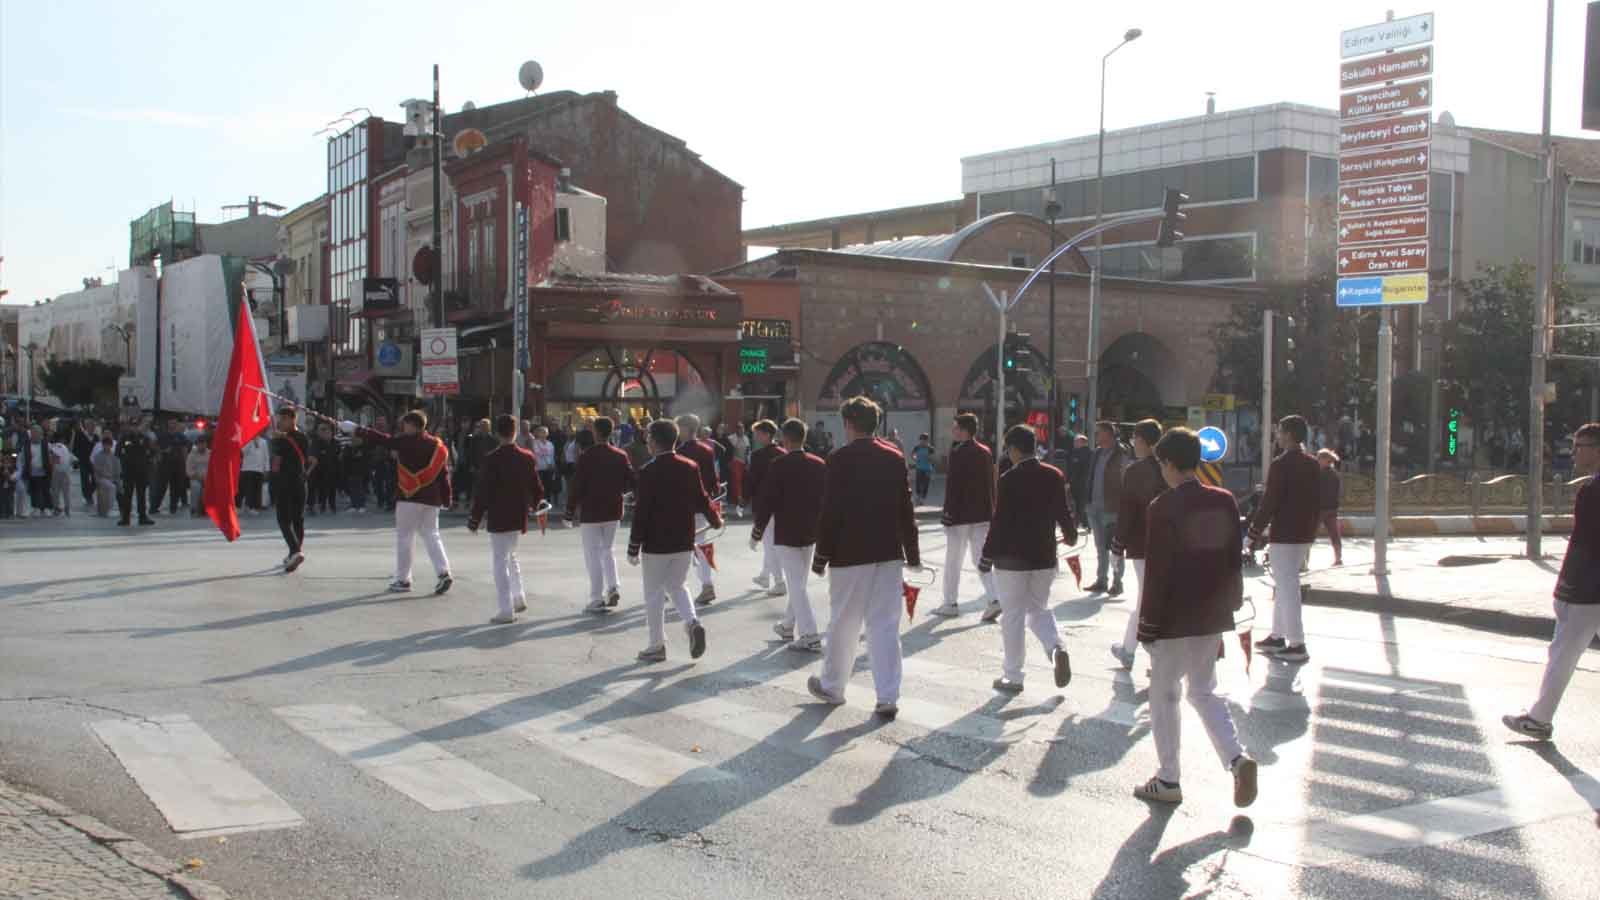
(1292, 500)
(969, 485)
(1141, 483)
(1579, 581)
(508, 489)
(792, 494)
(1032, 505)
(761, 461)
(1193, 582)
(604, 475)
(669, 494)
(415, 452)
(866, 508)
(702, 454)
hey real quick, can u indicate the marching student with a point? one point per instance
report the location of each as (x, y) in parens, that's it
(867, 532)
(761, 459)
(1141, 483)
(669, 500)
(1192, 586)
(604, 474)
(703, 454)
(290, 451)
(422, 467)
(1577, 594)
(791, 501)
(1290, 507)
(508, 489)
(968, 507)
(1020, 549)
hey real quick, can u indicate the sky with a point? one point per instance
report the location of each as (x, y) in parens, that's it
(823, 108)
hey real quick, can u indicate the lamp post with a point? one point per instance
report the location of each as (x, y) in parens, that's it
(1093, 408)
(1052, 209)
(31, 348)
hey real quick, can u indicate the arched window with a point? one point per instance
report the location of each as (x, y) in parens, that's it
(890, 376)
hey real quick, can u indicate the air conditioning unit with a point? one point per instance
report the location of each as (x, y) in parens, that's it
(308, 324)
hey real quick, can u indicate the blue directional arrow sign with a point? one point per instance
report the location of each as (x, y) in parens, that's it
(1366, 291)
(1213, 444)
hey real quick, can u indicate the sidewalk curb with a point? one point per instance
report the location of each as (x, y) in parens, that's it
(131, 851)
(1442, 525)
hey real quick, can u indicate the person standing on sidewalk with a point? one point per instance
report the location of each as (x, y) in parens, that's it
(1330, 487)
(791, 501)
(922, 461)
(422, 469)
(703, 454)
(253, 465)
(968, 507)
(1141, 483)
(291, 464)
(1192, 586)
(36, 465)
(135, 457)
(1020, 549)
(604, 475)
(761, 459)
(508, 491)
(1105, 500)
(61, 474)
(107, 474)
(85, 443)
(1289, 507)
(195, 466)
(1577, 594)
(867, 532)
(671, 498)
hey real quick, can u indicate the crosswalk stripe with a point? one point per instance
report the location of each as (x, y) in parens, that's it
(423, 771)
(572, 735)
(198, 786)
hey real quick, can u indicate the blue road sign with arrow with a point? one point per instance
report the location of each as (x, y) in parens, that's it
(1213, 444)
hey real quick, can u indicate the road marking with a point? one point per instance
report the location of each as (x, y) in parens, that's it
(198, 786)
(423, 771)
(595, 745)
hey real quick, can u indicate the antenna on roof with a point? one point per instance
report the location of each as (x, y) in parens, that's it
(530, 76)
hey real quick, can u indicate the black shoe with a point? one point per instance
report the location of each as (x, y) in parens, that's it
(1294, 653)
(1099, 587)
(1116, 590)
(1270, 643)
(443, 584)
(122, 522)
(147, 521)
(1063, 667)
(697, 640)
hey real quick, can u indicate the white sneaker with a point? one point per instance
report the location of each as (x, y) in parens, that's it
(654, 654)
(519, 606)
(762, 580)
(503, 619)
(991, 613)
(778, 589)
(784, 632)
(399, 587)
(1159, 791)
(814, 685)
(295, 559)
(807, 643)
(1124, 657)
(948, 611)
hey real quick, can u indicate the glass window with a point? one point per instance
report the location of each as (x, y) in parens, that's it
(1074, 202)
(1585, 240)
(1241, 178)
(1151, 188)
(1216, 179)
(1322, 177)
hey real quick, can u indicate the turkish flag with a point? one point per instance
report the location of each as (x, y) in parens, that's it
(710, 554)
(245, 414)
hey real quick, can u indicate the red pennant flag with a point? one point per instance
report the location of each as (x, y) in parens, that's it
(910, 593)
(1244, 641)
(544, 522)
(1077, 569)
(245, 414)
(709, 552)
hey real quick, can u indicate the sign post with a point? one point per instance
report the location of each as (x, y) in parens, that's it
(441, 368)
(519, 305)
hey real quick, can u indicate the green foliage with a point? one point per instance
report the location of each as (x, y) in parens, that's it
(81, 383)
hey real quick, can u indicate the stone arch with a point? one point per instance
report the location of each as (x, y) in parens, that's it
(890, 375)
(1139, 376)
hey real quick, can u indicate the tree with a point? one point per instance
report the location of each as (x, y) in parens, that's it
(81, 383)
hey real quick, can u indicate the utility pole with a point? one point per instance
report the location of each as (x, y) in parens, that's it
(1052, 209)
(1541, 312)
(1266, 388)
(438, 231)
(1380, 511)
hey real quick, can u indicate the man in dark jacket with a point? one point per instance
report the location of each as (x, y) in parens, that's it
(604, 474)
(136, 457)
(1105, 499)
(36, 466)
(1289, 508)
(292, 463)
(765, 432)
(671, 498)
(791, 501)
(1020, 549)
(84, 441)
(1141, 483)
(172, 472)
(1577, 593)
(702, 453)
(1078, 471)
(1193, 585)
(508, 490)
(968, 507)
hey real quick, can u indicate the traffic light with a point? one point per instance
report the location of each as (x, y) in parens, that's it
(1015, 357)
(1171, 231)
(1452, 433)
(1074, 412)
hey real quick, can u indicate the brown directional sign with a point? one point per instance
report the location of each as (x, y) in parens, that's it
(1379, 196)
(1383, 259)
(1383, 132)
(1389, 67)
(1388, 226)
(1360, 166)
(1386, 100)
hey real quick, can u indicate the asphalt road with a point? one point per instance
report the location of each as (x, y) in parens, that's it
(309, 736)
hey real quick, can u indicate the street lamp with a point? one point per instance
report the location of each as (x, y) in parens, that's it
(1052, 210)
(1128, 37)
(31, 348)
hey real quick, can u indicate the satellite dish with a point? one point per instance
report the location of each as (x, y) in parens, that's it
(531, 75)
(468, 106)
(468, 142)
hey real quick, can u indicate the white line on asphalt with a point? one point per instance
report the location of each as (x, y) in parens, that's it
(200, 789)
(423, 771)
(593, 744)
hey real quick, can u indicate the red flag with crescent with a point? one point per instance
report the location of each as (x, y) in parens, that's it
(246, 413)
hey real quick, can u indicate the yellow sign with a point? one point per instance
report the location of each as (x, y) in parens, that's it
(1211, 474)
(1218, 402)
(1411, 288)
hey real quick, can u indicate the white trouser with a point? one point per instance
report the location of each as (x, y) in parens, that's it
(599, 556)
(1024, 606)
(960, 542)
(410, 520)
(61, 490)
(1130, 635)
(702, 566)
(869, 594)
(663, 575)
(1195, 659)
(507, 571)
(1576, 625)
(1286, 619)
(794, 567)
(769, 559)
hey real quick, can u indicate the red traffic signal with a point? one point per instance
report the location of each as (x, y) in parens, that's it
(1171, 230)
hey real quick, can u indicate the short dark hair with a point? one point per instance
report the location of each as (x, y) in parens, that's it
(1181, 447)
(1106, 426)
(862, 414)
(664, 433)
(1148, 430)
(603, 428)
(505, 426)
(1590, 431)
(766, 427)
(1022, 438)
(1296, 426)
(415, 417)
(969, 423)
(585, 439)
(282, 411)
(795, 430)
